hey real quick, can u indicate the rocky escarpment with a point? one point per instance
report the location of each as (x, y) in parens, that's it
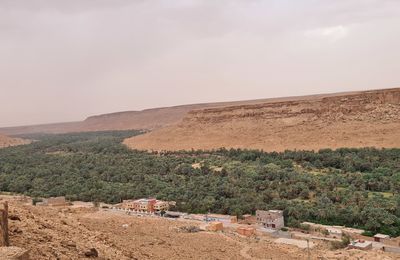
(146, 119)
(370, 118)
(379, 103)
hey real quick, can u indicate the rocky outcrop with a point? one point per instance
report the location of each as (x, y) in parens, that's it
(370, 118)
(13, 253)
(376, 104)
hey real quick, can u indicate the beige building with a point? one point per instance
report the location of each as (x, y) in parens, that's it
(161, 205)
(150, 205)
(270, 219)
(381, 237)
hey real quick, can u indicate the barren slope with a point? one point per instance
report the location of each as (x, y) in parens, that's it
(67, 233)
(6, 141)
(362, 119)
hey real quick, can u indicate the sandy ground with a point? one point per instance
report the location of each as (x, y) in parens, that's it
(299, 243)
(69, 232)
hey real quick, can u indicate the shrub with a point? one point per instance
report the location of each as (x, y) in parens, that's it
(341, 244)
(305, 227)
(368, 234)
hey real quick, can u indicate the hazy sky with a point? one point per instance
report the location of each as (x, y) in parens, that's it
(63, 60)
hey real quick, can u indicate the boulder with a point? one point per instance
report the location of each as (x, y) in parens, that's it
(13, 253)
(92, 253)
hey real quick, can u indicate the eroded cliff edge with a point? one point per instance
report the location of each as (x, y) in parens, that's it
(357, 119)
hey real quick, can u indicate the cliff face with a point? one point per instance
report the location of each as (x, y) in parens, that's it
(370, 118)
(380, 105)
(146, 119)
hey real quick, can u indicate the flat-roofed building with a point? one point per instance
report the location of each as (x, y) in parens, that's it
(270, 219)
(381, 237)
(246, 231)
(161, 205)
(149, 205)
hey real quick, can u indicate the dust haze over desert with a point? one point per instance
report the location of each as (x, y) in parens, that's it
(199, 129)
(63, 61)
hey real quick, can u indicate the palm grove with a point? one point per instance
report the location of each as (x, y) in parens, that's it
(351, 187)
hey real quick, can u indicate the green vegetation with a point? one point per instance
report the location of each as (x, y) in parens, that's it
(351, 187)
(341, 244)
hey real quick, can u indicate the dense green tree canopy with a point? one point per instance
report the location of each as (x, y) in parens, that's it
(352, 187)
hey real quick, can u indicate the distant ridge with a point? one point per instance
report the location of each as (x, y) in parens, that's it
(354, 119)
(151, 119)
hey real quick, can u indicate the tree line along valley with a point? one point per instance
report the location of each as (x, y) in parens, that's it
(356, 188)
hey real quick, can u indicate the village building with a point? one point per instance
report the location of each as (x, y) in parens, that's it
(246, 231)
(270, 219)
(381, 238)
(161, 205)
(149, 205)
(215, 226)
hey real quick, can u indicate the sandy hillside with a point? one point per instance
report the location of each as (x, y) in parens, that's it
(6, 141)
(67, 233)
(362, 119)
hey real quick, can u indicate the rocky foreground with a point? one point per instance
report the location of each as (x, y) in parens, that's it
(84, 232)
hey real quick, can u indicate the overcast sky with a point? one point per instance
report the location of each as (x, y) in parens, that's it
(64, 60)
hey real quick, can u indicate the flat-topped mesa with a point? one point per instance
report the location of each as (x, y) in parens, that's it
(356, 119)
(377, 102)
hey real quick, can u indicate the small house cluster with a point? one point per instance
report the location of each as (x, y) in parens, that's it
(146, 205)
